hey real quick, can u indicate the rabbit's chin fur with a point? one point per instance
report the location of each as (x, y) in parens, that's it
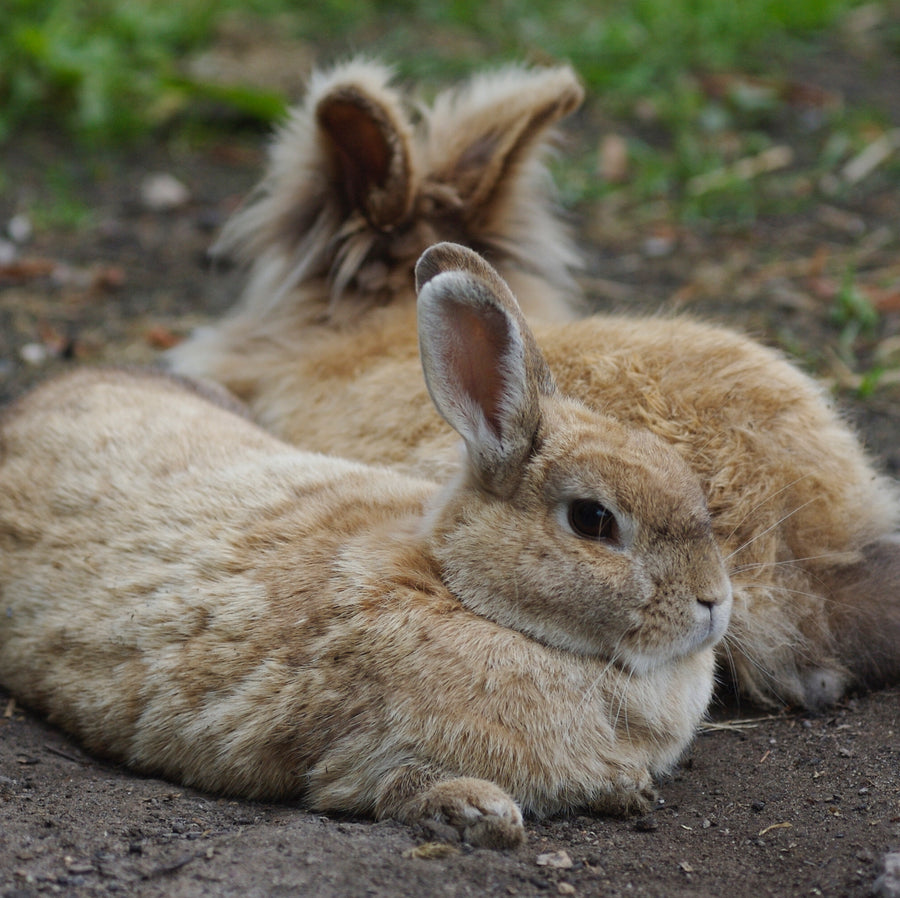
(708, 629)
(192, 597)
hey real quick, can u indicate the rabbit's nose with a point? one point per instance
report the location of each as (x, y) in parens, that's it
(715, 594)
(715, 604)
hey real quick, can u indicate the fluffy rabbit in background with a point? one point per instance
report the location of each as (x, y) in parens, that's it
(322, 347)
(356, 191)
(191, 596)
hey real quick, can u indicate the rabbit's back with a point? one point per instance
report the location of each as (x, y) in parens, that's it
(138, 527)
(764, 438)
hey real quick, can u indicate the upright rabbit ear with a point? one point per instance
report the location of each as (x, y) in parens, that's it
(483, 368)
(368, 143)
(345, 148)
(481, 135)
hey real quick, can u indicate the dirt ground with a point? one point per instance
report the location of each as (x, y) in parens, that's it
(780, 805)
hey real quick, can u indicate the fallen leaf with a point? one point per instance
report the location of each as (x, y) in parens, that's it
(885, 300)
(108, 277)
(160, 337)
(613, 162)
(558, 860)
(874, 155)
(27, 270)
(769, 829)
(746, 169)
(430, 851)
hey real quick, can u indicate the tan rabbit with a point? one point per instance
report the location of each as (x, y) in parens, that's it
(356, 190)
(189, 595)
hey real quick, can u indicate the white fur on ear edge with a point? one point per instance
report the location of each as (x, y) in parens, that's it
(474, 360)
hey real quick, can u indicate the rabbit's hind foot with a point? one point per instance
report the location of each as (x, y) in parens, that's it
(823, 687)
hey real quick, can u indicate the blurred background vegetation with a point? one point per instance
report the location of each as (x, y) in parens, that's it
(109, 69)
(703, 116)
(110, 72)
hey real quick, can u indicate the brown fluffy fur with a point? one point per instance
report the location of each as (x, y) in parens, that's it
(798, 509)
(357, 187)
(190, 595)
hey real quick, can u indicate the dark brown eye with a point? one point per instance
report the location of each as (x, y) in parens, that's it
(592, 520)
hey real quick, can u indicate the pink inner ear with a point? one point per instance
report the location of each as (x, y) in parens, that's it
(364, 153)
(479, 342)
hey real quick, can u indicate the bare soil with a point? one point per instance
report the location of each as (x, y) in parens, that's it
(763, 804)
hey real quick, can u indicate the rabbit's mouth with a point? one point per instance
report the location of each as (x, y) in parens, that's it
(708, 627)
(719, 616)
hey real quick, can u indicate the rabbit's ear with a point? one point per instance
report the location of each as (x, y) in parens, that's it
(481, 135)
(483, 368)
(368, 143)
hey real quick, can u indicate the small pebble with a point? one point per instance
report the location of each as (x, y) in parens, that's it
(8, 252)
(19, 228)
(658, 246)
(162, 192)
(80, 867)
(33, 353)
(559, 860)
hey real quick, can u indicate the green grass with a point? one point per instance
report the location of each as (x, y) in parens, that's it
(108, 71)
(61, 205)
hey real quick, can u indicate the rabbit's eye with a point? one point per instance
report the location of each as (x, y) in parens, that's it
(592, 520)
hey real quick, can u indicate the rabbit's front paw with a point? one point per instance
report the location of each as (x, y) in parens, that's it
(482, 813)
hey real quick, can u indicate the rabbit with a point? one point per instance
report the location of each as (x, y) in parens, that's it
(807, 526)
(326, 364)
(191, 596)
(355, 190)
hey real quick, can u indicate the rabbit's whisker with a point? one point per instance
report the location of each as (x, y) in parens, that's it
(620, 695)
(740, 569)
(783, 589)
(771, 527)
(586, 697)
(732, 668)
(731, 640)
(763, 502)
